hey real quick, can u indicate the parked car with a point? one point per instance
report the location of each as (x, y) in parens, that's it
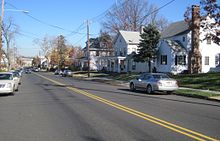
(151, 82)
(36, 69)
(67, 73)
(17, 76)
(28, 71)
(8, 83)
(58, 72)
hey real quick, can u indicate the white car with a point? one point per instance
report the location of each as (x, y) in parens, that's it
(8, 83)
(151, 82)
(17, 76)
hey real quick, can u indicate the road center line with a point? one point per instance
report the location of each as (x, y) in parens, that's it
(168, 125)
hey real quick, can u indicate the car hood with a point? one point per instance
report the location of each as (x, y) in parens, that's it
(6, 81)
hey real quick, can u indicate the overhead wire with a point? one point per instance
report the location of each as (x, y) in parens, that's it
(83, 26)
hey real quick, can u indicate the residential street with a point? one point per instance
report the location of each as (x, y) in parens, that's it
(48, 107)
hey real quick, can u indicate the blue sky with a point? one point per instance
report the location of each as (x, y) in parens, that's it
(69, 15)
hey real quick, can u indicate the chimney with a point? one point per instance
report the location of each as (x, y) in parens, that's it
(195, 64)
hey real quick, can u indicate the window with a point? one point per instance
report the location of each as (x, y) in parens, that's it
(206, 60)
(209, 41)
(180, 60)
(163, 59)
(184, 39)
(217, 58)
(97, 53)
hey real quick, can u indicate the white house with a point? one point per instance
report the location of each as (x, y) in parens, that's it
(98, 58)
(173, 51)
(125, 43)
(175, 46)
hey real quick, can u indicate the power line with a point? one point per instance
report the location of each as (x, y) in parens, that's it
(40, 21)
(80, 40)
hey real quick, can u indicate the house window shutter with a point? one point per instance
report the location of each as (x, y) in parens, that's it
(176, 60)
(184, 63)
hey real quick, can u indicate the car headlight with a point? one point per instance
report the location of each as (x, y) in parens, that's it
(8, 85)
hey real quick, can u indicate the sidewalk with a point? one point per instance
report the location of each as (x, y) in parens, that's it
(217, 98)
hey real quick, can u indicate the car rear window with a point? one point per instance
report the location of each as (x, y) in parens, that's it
(160, 76)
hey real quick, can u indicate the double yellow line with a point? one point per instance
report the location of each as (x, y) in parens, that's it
(168, 125)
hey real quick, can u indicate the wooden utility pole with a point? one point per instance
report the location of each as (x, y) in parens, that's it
(1, 24)
(88, 52)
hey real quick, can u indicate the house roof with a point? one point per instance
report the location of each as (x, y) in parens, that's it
(175, 45)
(175, 29)
(130, 37)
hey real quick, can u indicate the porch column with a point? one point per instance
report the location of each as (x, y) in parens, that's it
(110, 65)
(119, 65)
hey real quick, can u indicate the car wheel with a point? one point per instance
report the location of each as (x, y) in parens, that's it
(149, 89)
(132, 87)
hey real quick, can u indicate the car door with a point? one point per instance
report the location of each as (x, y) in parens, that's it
(139, 80)
(145, 81)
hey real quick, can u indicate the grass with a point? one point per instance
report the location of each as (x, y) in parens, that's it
(208, 81)
(194, 93)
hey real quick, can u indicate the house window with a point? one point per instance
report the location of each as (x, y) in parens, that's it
(184, 39)
(206, 60)
(209, 41)
(97, 53)
(163, 59)
(217, 58)
(180, 60)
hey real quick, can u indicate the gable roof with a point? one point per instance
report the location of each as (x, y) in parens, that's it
(175, 29)
(175, 46)
(130, 37)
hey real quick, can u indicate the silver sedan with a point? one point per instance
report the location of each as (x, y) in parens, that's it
(152, 82)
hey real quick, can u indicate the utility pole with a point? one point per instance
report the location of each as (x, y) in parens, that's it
(88, 52)
(1, 24)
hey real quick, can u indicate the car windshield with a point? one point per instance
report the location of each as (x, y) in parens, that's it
(5, 77)
(161, 76)
(16, 74)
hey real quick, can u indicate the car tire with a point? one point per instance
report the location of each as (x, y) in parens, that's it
(132, 87)
(149, 89)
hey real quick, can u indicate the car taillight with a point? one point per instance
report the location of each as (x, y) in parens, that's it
(159, 83)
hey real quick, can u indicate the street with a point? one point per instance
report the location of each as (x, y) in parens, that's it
(48, 107)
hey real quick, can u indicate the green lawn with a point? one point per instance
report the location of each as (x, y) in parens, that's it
(208, 81)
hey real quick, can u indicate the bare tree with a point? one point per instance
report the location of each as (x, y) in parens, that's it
(46, 45)
(9, 31)
(130, 15)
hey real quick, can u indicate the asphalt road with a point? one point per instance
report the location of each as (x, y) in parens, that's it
(54, 108)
